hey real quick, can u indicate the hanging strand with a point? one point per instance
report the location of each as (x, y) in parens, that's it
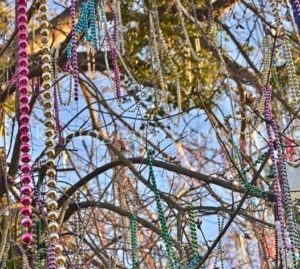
(5, 256)
(56, 90)
(74, 50)
(162, 219)
(26, 190)
(53, 237)
(279, 169)
(133, 236)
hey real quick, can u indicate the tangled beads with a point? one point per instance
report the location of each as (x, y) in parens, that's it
(23, 71)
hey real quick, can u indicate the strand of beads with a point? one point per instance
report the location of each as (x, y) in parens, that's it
(266, 63)
(38, 260)
(25, 263)
(74, 50)
(52, 215)
(284, 256)
(56, 109)
(182, 255)
(121, 27)
(193, 228)
(194, 262)
(296, 11)
(220, 248)
(294, 90)
(34, 241)
(242, 174)
(112, 263)
(156, 63)
(23, 71)
(113, 54)
(133, 236)
(278, 166)
(185, 32)
(93, 27)
(5, 256)
(162, 219)
(110, 43)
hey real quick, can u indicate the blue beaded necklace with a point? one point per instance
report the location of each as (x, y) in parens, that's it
(87, 24)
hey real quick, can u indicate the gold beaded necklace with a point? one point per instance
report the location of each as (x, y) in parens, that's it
(51, 203)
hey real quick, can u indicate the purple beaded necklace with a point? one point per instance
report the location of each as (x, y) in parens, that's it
(282, 191)
(23, 81)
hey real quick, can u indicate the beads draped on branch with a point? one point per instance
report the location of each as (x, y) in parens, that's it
(282, 190)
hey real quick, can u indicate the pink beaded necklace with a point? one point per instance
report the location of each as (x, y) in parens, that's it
(23, 71)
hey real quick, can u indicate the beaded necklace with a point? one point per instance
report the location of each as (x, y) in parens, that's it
(25, 263)
(163, 50)
(293, 89)
(162, 219)
(86, 24)
(193, 227)
(220, 248)
(296, 11)
(156, 63)
(133, 236)
(52, 215)
(26, 210)
(279, 169)
(110, 43)
(266, 63)
(112, 263)
(5, 256)
(72, 53)
(242, 174)
(55, 90)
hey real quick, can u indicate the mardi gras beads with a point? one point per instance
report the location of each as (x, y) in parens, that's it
(296, 11)
(279, 169)
(74, 50)
(162, 219)
(112, 263)
(23, 81)
(56, 109)
(52, 215)
(194, 242)
(133, 236)
(5, 256)
(293, 89)
(242, 173)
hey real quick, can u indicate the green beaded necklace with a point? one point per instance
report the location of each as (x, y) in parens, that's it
(163, 222)
(194, 241)
(133, 236)
(242, 175)
(38, 260)
(193, 226)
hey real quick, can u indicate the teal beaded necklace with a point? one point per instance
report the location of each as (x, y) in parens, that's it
(163, 222)
(133, 236)
(87, 25)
